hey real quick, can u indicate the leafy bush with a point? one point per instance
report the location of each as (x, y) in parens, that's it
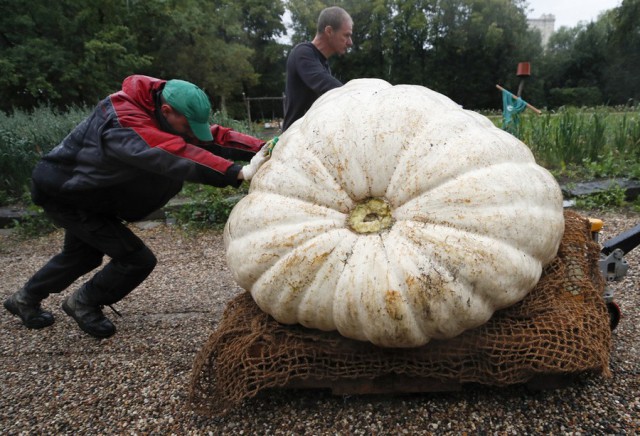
(613, 197)
(207, 206)
(17, 158)
(36, 223)
(24, 138)
(43, 127)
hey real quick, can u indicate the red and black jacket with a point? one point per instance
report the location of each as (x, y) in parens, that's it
(120, 161)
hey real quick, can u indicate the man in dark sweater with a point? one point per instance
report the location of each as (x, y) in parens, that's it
(308, 73)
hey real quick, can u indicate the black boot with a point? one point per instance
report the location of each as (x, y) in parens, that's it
(88, 314)
(28, 309)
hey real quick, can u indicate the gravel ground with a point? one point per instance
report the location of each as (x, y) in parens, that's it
(61, 381)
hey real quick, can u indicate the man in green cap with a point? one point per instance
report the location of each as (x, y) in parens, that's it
(128, 158)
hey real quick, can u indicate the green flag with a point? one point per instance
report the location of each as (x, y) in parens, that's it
(511, 108)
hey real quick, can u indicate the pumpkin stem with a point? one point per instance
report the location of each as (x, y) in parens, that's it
(372, 215)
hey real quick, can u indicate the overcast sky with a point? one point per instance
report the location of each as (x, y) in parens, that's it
(570, 12)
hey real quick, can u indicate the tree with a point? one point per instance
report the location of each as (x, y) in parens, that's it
(202, 41)
(262, 25)
(575, 61)
(304, 16)
(595, 63)
(76, 52)
(62, 53)
(477, 44)
(623, 55)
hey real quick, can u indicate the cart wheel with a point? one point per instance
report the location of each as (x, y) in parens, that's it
(614, 314)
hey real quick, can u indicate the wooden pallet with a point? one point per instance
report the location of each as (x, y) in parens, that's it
(400, 384)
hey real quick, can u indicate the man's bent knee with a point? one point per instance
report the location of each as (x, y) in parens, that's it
(91, 261)
(142, 260)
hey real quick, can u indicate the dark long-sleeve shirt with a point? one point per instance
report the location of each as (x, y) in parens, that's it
(308, 77)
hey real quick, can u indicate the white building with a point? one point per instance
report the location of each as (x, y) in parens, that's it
(545, 24)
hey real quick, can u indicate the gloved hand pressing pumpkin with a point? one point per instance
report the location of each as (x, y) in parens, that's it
(250, 170)
(270, 144)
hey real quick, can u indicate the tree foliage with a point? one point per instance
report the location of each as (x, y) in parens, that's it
(622, 84)
(73, 52)
(596, 63)
(63, 52)
(263, 26)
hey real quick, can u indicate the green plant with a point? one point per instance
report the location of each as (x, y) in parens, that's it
(567, 137)
(207, 206)
(593, 136)
(34, 224)
(585, 142)
(612, 197)
(626, 136)
(611, 164)
(536, 133)
(17, 158)
(222, 119)
(24, 138)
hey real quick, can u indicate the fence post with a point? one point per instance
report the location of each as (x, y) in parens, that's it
(247, 103)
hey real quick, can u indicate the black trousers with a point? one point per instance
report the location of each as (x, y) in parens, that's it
(88, 238)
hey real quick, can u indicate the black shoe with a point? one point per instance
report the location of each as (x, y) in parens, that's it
(90, 318)
(28, 310)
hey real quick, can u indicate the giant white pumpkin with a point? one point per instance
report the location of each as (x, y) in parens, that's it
(391, 215)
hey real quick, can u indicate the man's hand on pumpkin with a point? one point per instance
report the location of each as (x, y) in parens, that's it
(250, 170)
(270, 144)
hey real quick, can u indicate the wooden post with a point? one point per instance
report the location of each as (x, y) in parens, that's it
(247, 103)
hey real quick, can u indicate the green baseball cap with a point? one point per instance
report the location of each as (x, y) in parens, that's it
(193, 103)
